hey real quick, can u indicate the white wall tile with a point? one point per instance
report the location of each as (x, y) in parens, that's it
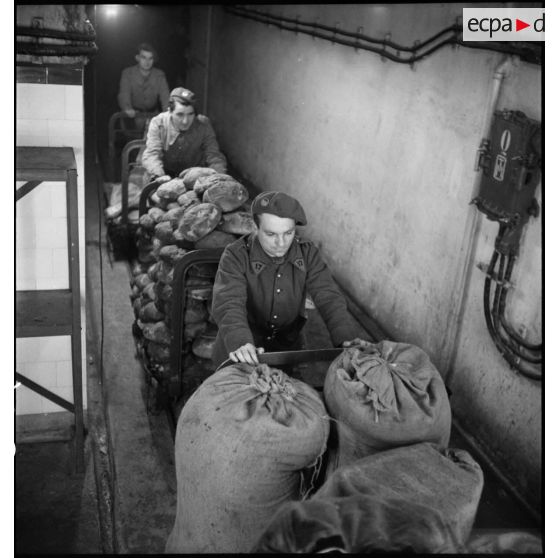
(61, 127)
(37, 202)
(32, 128)
(58, 201)
(25, 283)
(60, 262)
(40, 101)
(27, 401)
(26, 348)
(51, 232)
(21, 366)
(53, 282)
(31, 141)
(42, 373)
(33, 264)
(43, 263)
(73, 102)
(26, 234)
(54, 348)
(64, 373)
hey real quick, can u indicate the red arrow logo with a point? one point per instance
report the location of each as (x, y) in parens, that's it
(519, 25)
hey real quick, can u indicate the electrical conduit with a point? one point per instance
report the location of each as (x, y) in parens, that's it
(454, 330)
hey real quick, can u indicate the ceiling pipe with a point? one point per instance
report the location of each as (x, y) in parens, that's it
(469, 247)
(55, 34)
(55, 50)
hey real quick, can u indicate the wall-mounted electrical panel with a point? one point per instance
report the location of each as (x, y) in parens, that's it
(510, 161)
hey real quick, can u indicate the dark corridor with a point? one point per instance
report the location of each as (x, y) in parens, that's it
(120, 29)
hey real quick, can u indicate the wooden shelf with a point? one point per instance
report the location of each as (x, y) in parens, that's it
(44, 163)
(47, 313)
(43, 313)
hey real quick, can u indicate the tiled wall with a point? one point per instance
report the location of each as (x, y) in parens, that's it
(48, 114)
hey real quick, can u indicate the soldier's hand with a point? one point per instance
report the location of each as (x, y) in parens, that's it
(130, 113)
(248, 353)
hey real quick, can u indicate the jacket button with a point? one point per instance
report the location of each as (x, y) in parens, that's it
(268, 338)
(278, 290)
(274, 317)
(278, 275)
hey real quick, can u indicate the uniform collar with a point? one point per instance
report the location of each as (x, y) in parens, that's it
(259, 260)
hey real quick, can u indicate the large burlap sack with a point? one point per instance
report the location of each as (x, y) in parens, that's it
(504, 541)
(199, 220)
(384, 395)
(413, 499)
(227, 194)
(237, 222)
(241, 442)
(189, 176)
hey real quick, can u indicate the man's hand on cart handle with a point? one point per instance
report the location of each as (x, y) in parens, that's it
(247, 353)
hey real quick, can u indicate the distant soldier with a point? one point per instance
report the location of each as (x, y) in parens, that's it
(143, 88)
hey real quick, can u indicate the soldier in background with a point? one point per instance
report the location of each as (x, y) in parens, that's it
(143, 89)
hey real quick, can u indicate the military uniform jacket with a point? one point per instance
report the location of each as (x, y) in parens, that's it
(253, 294)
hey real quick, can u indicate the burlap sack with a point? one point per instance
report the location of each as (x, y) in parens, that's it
(241, 442)
(414, 499)
(382, 396)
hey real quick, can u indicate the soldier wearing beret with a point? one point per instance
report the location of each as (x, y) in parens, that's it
(179, 139)
(261, 286)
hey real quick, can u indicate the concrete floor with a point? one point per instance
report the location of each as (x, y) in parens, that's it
(125, 501)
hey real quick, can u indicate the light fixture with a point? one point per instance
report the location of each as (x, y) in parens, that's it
(111, 10)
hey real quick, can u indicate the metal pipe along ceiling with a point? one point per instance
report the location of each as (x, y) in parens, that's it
(532, 54)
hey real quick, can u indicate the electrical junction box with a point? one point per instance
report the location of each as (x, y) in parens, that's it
(511, 165)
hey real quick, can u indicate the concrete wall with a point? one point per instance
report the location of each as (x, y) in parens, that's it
(382, 155)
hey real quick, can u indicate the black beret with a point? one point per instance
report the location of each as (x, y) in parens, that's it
(280, 204)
